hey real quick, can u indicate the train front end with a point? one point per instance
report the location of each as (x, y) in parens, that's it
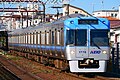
(87, 44)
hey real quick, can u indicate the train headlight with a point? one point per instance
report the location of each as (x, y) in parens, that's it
(72, 52)
(104, 52)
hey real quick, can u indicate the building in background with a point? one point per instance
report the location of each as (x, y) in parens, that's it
(114, 17)
(69, 9)
(115, 31)
(107, 13)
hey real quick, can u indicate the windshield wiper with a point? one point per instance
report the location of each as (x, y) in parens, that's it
(96, 45)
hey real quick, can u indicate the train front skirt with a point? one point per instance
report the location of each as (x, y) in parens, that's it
(74, 67)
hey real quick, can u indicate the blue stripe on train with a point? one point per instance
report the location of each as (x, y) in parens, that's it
(58, 48)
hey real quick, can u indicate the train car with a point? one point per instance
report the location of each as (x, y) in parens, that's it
(4, 40)
(80, 44)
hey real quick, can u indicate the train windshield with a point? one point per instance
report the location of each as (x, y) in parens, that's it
(76, 37)
(99, 38)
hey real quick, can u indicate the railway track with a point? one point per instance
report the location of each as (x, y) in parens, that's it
(6, 74)
(75, 76)
(81, 76)
(10, 71)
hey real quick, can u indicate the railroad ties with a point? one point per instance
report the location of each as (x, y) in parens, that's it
(9, 71)
(6, 74)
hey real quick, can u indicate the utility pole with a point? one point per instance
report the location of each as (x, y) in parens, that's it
(57, 7)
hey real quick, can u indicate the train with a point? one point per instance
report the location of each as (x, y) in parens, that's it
(75, 42)
(4, 40)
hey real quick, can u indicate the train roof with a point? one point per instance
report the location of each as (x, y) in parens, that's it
(45, 26)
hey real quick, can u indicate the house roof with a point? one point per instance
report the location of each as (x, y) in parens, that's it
(109, 17)
(106, 11)
(77, 8)
(114, 22)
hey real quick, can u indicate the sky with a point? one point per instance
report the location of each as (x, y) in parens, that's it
(94, 5)
(87, 5)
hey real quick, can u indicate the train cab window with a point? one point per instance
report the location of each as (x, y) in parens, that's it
(81, 37)
(76, 37)
(70, 37)
(99, 38)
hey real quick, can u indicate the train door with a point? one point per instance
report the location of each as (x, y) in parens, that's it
(81, 43)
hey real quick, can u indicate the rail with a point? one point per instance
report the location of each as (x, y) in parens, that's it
(6, 74)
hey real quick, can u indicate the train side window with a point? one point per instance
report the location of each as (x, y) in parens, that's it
(23, 38)
(47, 38)
(58, 37)
(38, 38)
(42, 37)
(34, 38)
(20, 38)
(31, 38)
(62, 37)
(52, 38)
(26, 38)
